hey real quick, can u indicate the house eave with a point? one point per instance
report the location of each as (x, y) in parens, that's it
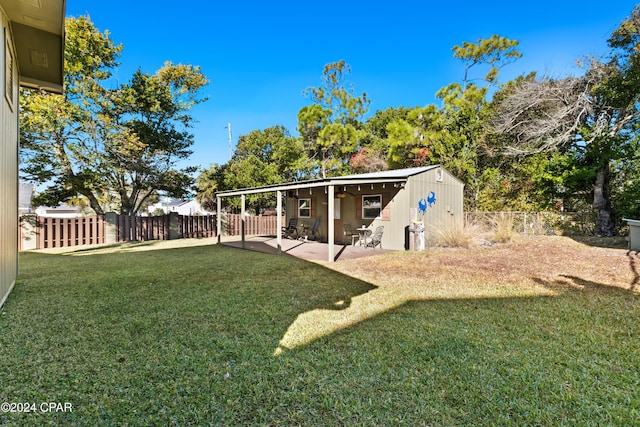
(309, 184)
(398, 176)
(38, 34)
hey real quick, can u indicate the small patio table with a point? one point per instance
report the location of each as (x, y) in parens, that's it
(303, 232)
(363, 232)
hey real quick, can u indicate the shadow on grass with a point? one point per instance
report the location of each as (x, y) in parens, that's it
(601, 242)
(132, 246)
(173, 330)
(634, 265)
(240, 286)
(312, 301)
(263, 247)
(571, 283)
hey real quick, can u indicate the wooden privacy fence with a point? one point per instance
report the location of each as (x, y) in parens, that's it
(254, 225)
(138, 228)
(197, 227)
(165, 227)
(44, 232)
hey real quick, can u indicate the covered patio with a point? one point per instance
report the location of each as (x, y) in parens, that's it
(309, 250)
(383, 205)
(329, 190)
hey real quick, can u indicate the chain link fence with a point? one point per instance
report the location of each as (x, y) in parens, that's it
(541, 223)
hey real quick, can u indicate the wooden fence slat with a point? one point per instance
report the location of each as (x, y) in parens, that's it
(51, 227)
(74, 223)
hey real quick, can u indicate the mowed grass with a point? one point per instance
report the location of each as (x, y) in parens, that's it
(535, 332)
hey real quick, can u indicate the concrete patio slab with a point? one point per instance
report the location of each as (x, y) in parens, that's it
(309, 250)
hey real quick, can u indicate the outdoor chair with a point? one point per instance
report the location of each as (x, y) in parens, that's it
(349, 232)
(291, 228)
(314, 230)
(376, 238)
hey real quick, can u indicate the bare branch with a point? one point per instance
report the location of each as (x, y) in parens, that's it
(542, 115)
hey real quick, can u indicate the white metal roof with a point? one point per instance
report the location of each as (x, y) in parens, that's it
(388, 176)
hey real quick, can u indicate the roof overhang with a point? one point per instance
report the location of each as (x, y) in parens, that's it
(38, 33)
(306, 184)
(397, 176)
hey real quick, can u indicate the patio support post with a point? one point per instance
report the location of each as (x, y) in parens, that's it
(331, 224)
(242, 218)
(279, 220)
(219, 218)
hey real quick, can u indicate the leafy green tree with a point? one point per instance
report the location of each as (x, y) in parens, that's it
(376, 147)
(529, 183)
(412, 140)
(494, 53)
(625, 184)
(466, 112)
(454, 134)
(54, 147)
(208, 182)
(331, 128)
(143, 132)
(593, 116)
(99, 142)
(262, 157)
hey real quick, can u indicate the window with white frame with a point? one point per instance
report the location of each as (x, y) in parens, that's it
(371, 206)
(304, 208)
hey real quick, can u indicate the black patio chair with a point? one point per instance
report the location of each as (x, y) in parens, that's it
(291, 228)
(349, 232)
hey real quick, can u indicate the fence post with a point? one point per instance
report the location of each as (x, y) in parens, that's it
(29, 230)
(111, 227)
(174, 225)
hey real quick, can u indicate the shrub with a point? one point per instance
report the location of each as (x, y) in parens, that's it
(453, 234)
(503, 227)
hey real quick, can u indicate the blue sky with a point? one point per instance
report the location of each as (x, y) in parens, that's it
(260, 56)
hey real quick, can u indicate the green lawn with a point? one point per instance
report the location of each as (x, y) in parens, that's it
(201, 336)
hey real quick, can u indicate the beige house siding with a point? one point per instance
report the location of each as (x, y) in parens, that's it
(397, 200)
(447, 207)
(8, 165)
(349, 210)
(400, 191)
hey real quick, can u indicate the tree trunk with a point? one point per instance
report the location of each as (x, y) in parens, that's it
(93, 202)
(605, 225)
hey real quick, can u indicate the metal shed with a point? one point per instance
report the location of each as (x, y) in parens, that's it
(392, 199)
(634, 233)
